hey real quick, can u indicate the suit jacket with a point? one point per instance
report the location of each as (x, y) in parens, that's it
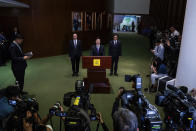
(159, 51)
(115, 50)
(75, 51)
(94, 51)
(17, 57)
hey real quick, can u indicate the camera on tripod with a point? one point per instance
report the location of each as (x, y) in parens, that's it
(148, 115)
(179, 108)
(77, 117)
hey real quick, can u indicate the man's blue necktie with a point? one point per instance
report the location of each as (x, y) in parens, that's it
(97, 49)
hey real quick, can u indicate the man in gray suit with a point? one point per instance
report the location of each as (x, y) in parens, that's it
(159, 50)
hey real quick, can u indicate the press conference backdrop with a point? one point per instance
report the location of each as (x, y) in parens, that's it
(131, 6)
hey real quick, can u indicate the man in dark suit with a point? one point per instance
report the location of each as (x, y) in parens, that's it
(18, 61)
(75, 52)
(115, 51)
(98, 49)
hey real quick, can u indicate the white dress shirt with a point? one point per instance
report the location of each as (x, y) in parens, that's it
(75, 42)
(175, 33)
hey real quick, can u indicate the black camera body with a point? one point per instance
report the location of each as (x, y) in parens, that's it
(21, 107)
(15, 122)
(148, 115)
(179, 108)
(77, 117)
(55, 109)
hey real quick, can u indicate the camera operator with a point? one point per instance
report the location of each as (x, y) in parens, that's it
(16, 114)
(11, 93)
(26, 118)
(159, 69)
(174, 55)
(123, 119)
(174, 32)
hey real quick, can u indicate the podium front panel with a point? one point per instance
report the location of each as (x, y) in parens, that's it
(96, 62)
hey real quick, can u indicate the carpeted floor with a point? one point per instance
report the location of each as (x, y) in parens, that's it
(49, 78)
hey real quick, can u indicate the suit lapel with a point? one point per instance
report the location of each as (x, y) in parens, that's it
(74, 44)
(116, 43)
(19, 49)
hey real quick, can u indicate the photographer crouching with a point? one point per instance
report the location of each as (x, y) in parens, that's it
(20, 114)
(7, 95)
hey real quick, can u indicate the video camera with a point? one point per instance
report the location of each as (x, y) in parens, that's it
(179, 108)
(77, 118)
(15, 121)
(148, 116)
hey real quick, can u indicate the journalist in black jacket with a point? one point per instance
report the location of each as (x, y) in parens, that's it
(115, 51)
(18, 64)
(123, 119)
(75, 52)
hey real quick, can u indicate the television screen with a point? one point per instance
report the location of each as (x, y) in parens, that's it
(126, 23)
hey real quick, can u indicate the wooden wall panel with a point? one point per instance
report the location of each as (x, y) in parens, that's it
(47, 25)
(168, 13)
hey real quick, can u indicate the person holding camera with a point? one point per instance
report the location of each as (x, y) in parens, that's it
(174, 32)
(123, 119)
(37, 124)
(9, 94)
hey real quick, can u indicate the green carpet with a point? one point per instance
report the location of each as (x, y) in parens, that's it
(49, 78)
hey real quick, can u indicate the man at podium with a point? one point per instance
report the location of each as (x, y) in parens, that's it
(98, 49)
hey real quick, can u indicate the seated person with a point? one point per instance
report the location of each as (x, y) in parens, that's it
(10, 93)
(159, 70)
(98, 49)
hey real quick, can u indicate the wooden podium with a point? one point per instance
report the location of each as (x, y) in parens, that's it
(96, 72)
